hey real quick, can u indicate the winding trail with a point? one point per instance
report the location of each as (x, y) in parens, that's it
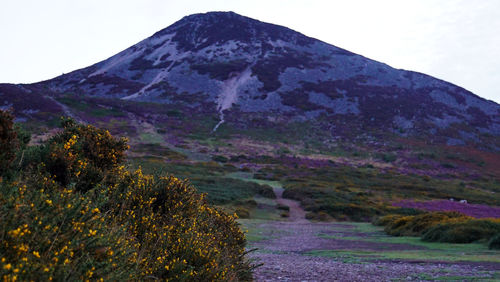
(67, 111)
(296, 214)
(287, 254)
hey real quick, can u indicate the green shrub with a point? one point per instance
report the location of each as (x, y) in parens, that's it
(349, 211)
(407, 211)
(419, 224)
(387, 219)
(389, 157)
(448, 165)
(220, 159)
(9, 143)
(449, 227)
(462, 232)
(494, 243)
(283, 207)
(395, 226)
(266, 191)
(320, 216)
(242, 212)
(82, 155)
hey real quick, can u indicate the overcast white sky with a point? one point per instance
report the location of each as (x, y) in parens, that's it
(455, 40)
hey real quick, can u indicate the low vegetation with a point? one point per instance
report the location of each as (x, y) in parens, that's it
(445, 227)
(361, 193)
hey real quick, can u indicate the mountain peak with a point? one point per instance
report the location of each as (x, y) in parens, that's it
(195, 32)
(215, 16)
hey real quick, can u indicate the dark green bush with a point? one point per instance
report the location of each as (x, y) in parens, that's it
(242, 212)
(9, 143)
(407, 211)
(79, 156)
(386, 219)
(389, 157)
(220, 159)
(266, 191)
(494, 243)
(283, 207)
(319, 216)
(462, 232)
(419, 224)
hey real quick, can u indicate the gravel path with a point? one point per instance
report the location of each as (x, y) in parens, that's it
(284, 255)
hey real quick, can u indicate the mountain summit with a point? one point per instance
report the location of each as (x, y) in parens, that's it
(195, 32)
(247, 74)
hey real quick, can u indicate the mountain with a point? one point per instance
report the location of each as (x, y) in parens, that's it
(223, 73)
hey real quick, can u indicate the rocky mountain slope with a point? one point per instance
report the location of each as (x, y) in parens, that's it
(243, 74)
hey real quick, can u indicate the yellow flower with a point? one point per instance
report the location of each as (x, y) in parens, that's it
(23, 248)
(7, 266)
(36, 254)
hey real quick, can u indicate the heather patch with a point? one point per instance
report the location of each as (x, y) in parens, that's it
(473, 210)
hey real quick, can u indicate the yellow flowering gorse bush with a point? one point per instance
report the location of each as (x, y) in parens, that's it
(178, 236)
(52, 234)
(79, 214)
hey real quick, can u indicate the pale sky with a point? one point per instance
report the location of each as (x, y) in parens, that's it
(454, 40)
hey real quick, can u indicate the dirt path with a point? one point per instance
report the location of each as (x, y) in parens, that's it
(296, 214)
(67, 111)
(287, 254)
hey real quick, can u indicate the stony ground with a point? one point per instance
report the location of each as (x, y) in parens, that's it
(287, 254)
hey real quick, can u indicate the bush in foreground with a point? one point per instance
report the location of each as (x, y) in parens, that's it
(56, 234)
(76, 213)
(177, 235)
